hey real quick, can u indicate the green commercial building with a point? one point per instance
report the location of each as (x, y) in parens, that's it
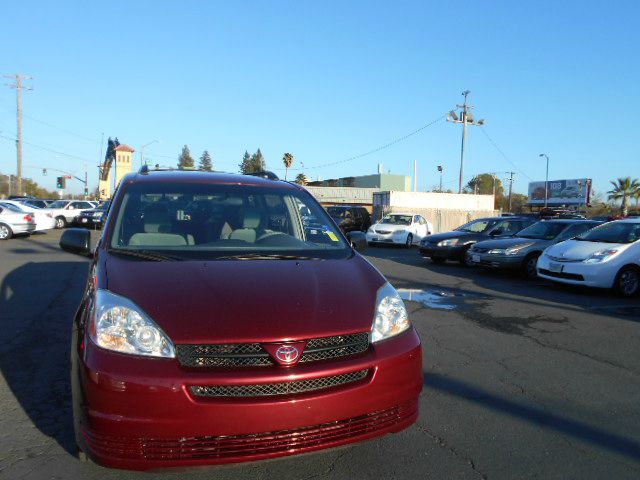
(383, 181)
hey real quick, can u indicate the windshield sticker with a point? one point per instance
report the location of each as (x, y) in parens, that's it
(332, 236)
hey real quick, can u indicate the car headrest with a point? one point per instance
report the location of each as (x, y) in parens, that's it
(156, 219)
(251, 219)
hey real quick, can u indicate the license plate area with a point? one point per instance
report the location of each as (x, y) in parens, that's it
(556, 267)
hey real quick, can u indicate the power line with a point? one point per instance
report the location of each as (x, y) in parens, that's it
(503, 154)
(55, 127)
(50, 150)
(375, 150)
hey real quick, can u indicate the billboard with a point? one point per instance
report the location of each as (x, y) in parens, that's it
(561, 192)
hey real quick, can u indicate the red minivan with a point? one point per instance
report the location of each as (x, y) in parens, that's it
(226, 318)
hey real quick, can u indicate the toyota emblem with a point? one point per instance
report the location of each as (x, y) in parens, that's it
(287, 354)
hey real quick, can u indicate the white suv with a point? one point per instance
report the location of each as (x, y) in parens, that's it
(66, 211)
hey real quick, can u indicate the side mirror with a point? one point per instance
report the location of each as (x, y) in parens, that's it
(358, 241)
(76, 240)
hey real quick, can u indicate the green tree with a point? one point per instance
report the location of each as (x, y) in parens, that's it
(301, 179)
(185, 160)
(519, 203)
(253, 163)
(483, 185)
(206, 163)
(623, 189)
(287, 159)
(244, 165)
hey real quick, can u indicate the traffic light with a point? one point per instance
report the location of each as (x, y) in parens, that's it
(61, 183)
(44, 172)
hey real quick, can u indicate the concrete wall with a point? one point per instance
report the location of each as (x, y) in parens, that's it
(444, 220)
(384, 181)
(445, 201)
(445, 211)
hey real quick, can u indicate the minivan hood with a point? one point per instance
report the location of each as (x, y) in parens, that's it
(234, 301)
(579, 250)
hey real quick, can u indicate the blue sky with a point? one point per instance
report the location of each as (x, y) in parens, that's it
(327, 81)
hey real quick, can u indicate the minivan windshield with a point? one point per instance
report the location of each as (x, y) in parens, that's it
(397, 219)
(542, 230)
(613, 232)
(209, 221)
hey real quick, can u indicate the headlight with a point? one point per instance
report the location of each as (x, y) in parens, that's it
(452, 242)
(516, 249)
(600, 256)
(119, 325)
(390, 315)
(98, 214)
(370, 230)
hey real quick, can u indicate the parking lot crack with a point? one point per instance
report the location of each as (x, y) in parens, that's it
(442, 443)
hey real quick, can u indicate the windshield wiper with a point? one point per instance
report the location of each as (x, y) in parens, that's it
(264, 256)
(145, 255)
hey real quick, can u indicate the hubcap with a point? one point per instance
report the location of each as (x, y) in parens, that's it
(531, 266)
(409, 240)
(629, 282)
(59, 223)
(4, 232)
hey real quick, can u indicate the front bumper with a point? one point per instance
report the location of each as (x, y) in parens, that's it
(498, 262)
(89, 221)
(399, 238)
(431, 250)
(138, 413)
(578, 273)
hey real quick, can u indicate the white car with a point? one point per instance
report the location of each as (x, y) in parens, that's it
(42, 216)
(607, 256)
(66, 211)
(13, 221)
(399, 228)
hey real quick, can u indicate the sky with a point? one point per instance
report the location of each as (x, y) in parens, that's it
(327, 81)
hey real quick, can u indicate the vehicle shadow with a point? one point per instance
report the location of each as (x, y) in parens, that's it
(37, 305)
(538, 416)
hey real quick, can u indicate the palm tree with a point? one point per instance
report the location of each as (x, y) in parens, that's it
(624, 188)
(287, 159)
(302, 179)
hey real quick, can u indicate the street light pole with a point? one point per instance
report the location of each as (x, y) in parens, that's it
(546, 180)
(440, 170)
(466, 118)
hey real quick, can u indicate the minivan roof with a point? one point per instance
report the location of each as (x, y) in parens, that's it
(198, 176)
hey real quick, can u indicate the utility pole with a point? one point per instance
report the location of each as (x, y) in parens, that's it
(466, 118)
(511, 174)
(18, 85)
(546, 181)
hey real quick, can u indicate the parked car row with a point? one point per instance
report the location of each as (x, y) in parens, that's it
(46, 215)
(577, 252)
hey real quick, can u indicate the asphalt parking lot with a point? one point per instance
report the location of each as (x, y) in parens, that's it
(523, 379)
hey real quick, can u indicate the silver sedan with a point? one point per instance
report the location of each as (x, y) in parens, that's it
(14, 222)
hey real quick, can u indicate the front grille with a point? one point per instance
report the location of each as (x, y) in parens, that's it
(568, 276)
(218, 449)
(273, 389)
(479, 250)
(563, 260)
(383, 232)
(253, 355)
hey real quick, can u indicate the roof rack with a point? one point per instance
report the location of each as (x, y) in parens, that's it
(264, 174)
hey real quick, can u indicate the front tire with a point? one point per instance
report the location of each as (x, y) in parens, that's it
(61, 222)
(530, 267)
(5, 232)
(627, 282)
(409, 241)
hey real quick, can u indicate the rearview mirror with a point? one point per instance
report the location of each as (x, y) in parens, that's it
(76, 240)
(496, 232)
(358, 241)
